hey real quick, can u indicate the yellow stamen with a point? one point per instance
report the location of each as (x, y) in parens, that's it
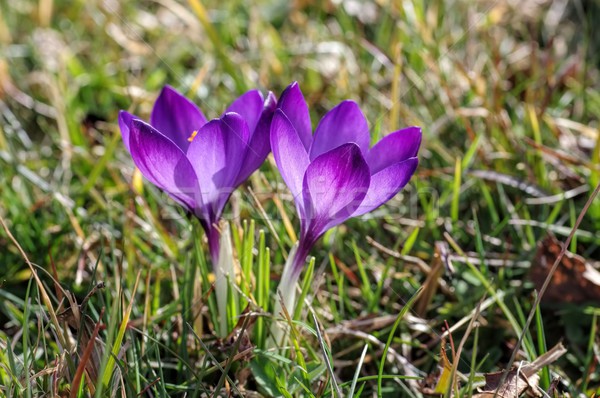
(191, 137)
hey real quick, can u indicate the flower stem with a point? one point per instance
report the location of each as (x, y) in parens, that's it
(221, 252)
(213, 236)
(287, 285)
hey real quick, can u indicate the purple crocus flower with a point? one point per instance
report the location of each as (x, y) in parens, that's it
(333, 174)
(199, 163)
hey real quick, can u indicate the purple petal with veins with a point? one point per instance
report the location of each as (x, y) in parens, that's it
(343, 124)
(176, 117)
(334, 186)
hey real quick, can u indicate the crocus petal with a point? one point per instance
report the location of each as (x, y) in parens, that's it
(344, 123)
(394, 148)
(294, 106)
(249, 106)
(125, 119)
(289, 153)
(216, 154)
(259, 145)
(163, 163)
(334, 185)
(176, 117)
(386, 184)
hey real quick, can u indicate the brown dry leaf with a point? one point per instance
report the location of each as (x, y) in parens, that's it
(240, 332)
(84, 363)
(575, 281)
(520, 379)
(84, 327)
(369, 322)
(441, 261)
(514, 385)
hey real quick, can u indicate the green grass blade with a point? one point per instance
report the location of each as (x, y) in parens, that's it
(456, 190)
(403, 312)
(306, 282)
(357, 372)
(116, 347)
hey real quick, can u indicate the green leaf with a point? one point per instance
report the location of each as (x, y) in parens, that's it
(265, 374)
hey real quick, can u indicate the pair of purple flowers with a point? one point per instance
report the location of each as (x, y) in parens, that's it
(333, 174)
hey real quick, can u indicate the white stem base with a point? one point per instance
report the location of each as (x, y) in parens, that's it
(286, 291)
(224, 271)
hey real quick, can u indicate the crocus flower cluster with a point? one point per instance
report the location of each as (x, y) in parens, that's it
(333, 174)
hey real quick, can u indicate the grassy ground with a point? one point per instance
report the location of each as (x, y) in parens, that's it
(506, 93)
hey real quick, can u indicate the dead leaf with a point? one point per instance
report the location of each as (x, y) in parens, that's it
(84, 363)
(240, 332)
(520, 379)
(441, 261)
(575, 281)
(84, 326)
(515, 384)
